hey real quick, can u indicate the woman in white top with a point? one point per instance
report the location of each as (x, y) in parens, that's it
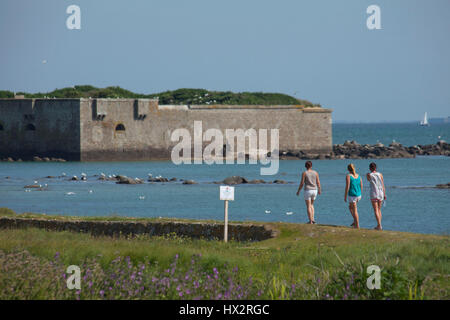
(377, 192)
(310, 179)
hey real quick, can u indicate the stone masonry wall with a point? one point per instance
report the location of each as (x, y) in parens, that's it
(148, 135)
(86, 129)
(210, 231)
(56, 128)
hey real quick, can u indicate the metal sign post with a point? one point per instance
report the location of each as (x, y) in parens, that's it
(226, 194)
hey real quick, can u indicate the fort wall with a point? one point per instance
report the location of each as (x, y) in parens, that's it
(130, 129)
(48, 127)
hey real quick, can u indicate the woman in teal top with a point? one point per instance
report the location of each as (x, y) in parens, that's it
(353, 189)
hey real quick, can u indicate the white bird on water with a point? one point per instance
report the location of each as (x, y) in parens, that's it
(268, 211)
(141, 197)
(70, 193)
(289, 213)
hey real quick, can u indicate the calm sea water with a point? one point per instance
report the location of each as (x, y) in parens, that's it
(408, 134)
(424, 210)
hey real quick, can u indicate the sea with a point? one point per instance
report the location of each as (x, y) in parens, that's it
(412, 205)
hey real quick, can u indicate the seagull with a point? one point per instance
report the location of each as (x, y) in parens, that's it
(267, 211)
(150, 175)
(35, 182)
(63, 174)
(90, 191)
(102, 174)
(70, 193)
(289, 213)
(141, 197)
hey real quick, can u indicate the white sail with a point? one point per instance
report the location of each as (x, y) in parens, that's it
(424, 122)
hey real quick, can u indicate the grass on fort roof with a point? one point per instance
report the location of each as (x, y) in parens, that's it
(180, 96)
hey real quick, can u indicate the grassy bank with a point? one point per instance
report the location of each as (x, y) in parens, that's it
(303, 262)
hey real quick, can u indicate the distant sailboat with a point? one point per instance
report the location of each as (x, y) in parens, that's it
(424, 122)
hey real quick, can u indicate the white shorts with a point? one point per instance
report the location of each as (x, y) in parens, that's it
(310, 194)
(354, 199)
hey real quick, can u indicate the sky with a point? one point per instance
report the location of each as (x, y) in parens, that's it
(319, 50)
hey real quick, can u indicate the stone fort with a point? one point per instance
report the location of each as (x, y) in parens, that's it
(140, 129)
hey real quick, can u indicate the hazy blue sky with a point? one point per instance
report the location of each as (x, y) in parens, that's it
(320, 50)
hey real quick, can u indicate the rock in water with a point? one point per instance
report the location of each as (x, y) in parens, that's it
(234, 180)
(125, 180)
(443, 186)
(256, 181)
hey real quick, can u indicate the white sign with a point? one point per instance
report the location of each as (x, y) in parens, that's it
(226, 193)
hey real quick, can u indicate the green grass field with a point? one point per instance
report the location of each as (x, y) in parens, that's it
(303, 262)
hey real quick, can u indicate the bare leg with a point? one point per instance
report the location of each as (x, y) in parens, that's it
(379, 213)
(312, 210)
(309, 210)
(355, 215)
(377, 210)
(350, 207)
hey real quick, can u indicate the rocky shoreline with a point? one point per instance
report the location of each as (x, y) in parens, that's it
(347, 150)
(354, 150)
(34, 159)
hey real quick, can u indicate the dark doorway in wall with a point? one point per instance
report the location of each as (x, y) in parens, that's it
(120, 127)
(30, 127)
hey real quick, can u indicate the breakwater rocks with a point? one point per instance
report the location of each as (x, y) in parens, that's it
(241, 180)
(354, 150)
(196, 230)
(35, 159)
(347, 150)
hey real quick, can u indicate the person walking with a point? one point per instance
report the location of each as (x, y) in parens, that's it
(353, 189)
(377, 192)
(310, 179)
